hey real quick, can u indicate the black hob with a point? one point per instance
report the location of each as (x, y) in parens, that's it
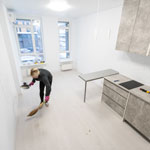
(131, 84)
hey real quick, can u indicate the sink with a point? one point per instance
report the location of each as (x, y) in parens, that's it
(131, 84)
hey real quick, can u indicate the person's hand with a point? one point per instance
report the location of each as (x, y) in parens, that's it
(32, 83)
(46, 99)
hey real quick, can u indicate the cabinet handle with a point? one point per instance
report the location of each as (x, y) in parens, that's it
(126, 106)
(148, 50)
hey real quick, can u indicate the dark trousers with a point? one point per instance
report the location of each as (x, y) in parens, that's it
(42, 86)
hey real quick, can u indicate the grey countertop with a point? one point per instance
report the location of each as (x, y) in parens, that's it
(142, 95)
(119, 78)
(136, 91)
(97, 75)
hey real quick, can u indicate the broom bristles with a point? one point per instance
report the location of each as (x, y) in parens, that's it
(33, 112)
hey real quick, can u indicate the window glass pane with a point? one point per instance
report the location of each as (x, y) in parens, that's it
(64, 55)
(23, 21)
(40, 59)
(64, 39)
(31, 59)
(28, 60)
(36, 22)
(30, 41)
(37, 36)
(63, 24)
(25, 40)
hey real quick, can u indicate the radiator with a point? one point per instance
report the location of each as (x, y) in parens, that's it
(66, 65)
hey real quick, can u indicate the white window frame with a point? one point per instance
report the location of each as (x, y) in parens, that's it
(68, 51)
(33, 40)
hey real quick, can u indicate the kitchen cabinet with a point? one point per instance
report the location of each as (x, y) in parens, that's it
(134, 30)
(128, 18)
(114, 95)
(138, 115)
(140, 41)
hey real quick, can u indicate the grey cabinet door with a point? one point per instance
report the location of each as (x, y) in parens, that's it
(113, 105)
(140, 42)
(116, 88)
(121, 101)
(138, 115)
(129, 12)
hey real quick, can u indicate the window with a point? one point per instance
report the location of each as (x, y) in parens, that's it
(29, 39)
(64, 39)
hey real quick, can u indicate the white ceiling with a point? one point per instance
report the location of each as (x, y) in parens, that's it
(79, 7)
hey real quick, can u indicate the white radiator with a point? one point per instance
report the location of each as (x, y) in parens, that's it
(66, 65)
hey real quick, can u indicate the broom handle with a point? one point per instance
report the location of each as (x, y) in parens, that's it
(39, 105)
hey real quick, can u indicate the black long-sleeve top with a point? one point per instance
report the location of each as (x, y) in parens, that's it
(46, 78)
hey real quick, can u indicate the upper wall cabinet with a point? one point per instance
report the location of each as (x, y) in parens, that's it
(129, 11)
(134, 30)
(140, 42)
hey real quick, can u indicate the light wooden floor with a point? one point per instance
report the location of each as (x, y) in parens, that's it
(70, 124)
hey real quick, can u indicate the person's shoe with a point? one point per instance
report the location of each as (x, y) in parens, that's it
(46, 104)
(41, 105)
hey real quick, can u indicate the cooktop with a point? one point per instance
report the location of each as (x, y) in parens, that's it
(131, 84)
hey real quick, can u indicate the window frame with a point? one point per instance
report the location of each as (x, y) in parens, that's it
(66, 51)
(33, 40)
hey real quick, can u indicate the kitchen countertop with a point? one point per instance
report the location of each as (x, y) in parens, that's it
(136, 91)
(120, 78)
(142, 95)
(97, 75)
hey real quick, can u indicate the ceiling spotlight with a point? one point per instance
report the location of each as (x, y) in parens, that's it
(58, 5)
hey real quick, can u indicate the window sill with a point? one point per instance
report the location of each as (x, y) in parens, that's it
(33, 65)
(66, 60)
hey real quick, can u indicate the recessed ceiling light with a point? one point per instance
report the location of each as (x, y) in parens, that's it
(58, 5)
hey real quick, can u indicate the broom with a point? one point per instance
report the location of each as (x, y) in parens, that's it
(34, 111)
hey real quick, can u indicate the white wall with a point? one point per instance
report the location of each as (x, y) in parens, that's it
(50, 40)
(8, 100)
(95, 53)
(9, 83)
(11, 46)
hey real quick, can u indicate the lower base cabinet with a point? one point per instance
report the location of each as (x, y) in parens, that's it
(138, 115)
(132, 105)
(113, 105)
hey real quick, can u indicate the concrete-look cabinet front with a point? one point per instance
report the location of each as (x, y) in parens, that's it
(140, 41)
(134, 30)
(138, 115)
(133, 105)
(113, 95)
(129, 12)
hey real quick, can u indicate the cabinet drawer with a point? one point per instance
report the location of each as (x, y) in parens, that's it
(114, 96)
(116, 88)
(113, 105)
(138, 115)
